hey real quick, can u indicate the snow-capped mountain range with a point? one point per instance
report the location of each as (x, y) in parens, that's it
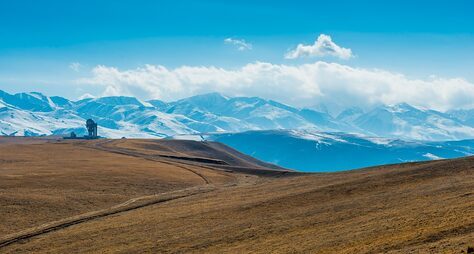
(32, 114)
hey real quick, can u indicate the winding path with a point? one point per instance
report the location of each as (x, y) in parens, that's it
(132, 204)
(101, 146)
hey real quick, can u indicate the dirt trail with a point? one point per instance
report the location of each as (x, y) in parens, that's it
(183, 162)
(101, 146)
(129, 205)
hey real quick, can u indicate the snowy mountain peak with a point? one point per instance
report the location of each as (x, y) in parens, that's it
(206, 100)
(29, 101)
(402, 108)
(61, 102)
(121, 101)
(213, 112)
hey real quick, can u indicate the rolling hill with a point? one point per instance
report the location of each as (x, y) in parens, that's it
(173, 196)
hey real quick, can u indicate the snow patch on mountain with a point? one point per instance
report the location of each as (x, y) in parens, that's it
(432, 156)
(38, 114)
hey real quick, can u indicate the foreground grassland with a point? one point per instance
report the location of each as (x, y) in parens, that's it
(129, 196)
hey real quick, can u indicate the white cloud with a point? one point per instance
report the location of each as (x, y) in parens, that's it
(241, 44)
(333, 84)
(323, 46)
(75, 66)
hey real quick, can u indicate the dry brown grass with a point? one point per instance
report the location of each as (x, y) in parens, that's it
(418, 207)
(41, 182)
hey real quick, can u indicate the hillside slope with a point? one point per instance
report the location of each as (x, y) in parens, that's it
(425, 207)
(44, 179)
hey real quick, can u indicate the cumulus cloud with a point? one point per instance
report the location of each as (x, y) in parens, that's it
(323, 46)
(75, 66)
(241, 44)
(297, 85)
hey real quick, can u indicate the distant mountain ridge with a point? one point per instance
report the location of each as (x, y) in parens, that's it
(33, 114)
(326, 152)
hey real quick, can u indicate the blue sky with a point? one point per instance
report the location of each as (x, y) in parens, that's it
(39, 40)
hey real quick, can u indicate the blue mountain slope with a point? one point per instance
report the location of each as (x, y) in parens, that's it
(28, 101)
(465, 116)
(323, 152)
